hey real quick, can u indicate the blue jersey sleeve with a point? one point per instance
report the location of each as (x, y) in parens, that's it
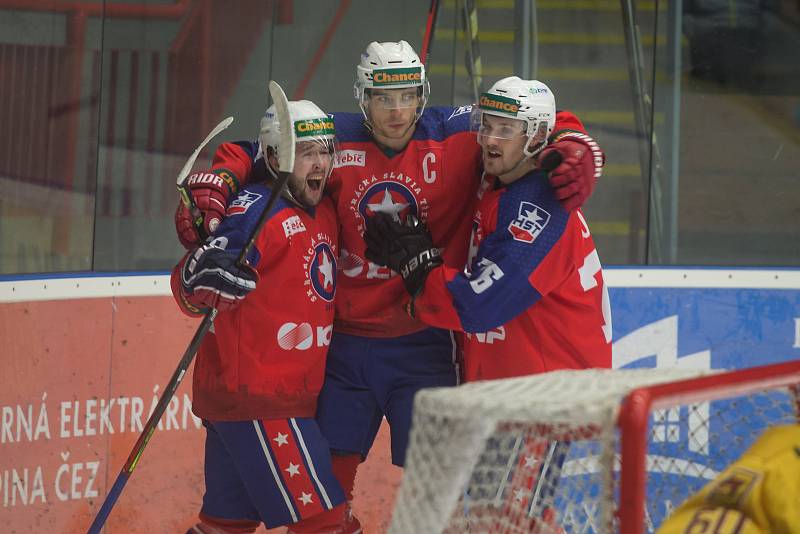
(350, 128)
(530, 222)
(249, 147)
(241, 219)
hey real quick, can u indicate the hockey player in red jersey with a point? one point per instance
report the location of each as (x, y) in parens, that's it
(397, 160)
(531, 297)
(258, 375)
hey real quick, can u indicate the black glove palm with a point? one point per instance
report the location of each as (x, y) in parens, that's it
(405, 248)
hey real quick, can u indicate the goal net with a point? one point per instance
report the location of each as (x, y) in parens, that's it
(591, 451)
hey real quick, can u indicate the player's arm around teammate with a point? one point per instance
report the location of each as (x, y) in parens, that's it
(391, 116)
(258, 375)
(533, 279)
(399, 157)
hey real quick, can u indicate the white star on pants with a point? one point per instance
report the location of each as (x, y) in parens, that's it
(306, 498)
(293, 469)
(282, 439)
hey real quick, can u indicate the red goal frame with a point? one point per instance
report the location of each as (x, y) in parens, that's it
(637, 406)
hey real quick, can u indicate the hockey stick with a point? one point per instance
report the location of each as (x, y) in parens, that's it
(430, 28)
(286, 166)
(183, 190)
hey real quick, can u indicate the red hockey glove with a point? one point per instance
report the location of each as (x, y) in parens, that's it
(210, 190)
(184, 226)
(575, 163)
(210, 278)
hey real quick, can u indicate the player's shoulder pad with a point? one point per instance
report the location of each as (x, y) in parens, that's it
(528, 207)
(535, 187)
(437, 123)
(350, 128)
(780, 441)
(246, 208)
(248, 147)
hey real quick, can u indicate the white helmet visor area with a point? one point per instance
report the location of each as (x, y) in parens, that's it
(489, 125)
(392, 88)
(387, 99)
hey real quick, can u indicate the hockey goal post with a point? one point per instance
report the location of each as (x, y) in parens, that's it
(581, 451)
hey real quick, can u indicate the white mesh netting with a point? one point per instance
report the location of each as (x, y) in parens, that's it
(541, 453)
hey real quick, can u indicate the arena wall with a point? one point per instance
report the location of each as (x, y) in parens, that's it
(83, 358)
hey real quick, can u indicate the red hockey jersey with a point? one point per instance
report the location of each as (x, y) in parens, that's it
(532, 297)
(266, 358)
(435, 177)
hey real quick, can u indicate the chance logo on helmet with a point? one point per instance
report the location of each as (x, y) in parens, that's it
(389, 77)
(490, 102)
(314, 127)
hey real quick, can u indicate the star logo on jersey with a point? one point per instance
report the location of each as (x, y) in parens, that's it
(529, 223)
(392, 198)
(322, 272)
(243, 202)
(319, 266)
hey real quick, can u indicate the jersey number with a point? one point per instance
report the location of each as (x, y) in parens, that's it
(489, 272)
(591, 266)
(715, 521)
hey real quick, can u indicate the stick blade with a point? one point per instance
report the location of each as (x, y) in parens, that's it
(287, 136)
(187, 167)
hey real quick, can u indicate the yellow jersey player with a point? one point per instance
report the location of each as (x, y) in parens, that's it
(757, 494)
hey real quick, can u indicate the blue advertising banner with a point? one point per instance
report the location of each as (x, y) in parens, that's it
(704, 328)
(711, 320)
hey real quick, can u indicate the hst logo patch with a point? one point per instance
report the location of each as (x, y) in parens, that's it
(243, 202)
(529, 223)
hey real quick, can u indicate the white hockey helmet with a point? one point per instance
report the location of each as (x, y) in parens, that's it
(529, 101)
(310, 123)
(390, 65)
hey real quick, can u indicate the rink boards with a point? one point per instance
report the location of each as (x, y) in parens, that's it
(85, 356)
